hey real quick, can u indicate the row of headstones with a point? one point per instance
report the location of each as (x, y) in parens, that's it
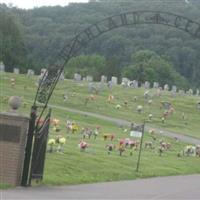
(114, 81)
(78, 77)
(135, 84)
(30, 72)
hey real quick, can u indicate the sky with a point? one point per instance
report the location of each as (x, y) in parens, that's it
(28, 4)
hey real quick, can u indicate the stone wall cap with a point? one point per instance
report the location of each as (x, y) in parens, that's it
(13, 115)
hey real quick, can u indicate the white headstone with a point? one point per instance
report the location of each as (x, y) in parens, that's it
(197, 92)
(146, 85)
(77, 77)
(155, 85)
(92, 87)
(43, 71)
(134, 84)
(16, 71)
(103, 79)
(114, 80)
(125, 82)
(190, 92)
(2, 67)
(166, 87)
(89, 78)
(62, 77)
(30, 72)
(174, 89)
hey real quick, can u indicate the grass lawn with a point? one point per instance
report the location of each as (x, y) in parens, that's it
(77, 92)
(95, 165)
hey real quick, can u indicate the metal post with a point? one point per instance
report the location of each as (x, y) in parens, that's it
(141, 141)
(28, 150)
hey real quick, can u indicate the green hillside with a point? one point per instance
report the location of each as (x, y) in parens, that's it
(95, 165)
(33, 38)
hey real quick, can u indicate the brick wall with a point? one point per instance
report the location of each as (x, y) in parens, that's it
(13, 131)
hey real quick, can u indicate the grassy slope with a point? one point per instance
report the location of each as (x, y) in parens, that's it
(80, 92)
(95, 165)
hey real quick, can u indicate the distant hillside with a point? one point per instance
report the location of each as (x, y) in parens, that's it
(45, 30)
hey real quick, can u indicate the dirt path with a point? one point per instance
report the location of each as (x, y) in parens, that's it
(181, 137)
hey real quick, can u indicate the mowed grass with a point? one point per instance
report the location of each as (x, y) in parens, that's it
(78, 92)
(95, 165)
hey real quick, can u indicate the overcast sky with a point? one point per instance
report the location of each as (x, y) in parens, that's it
(38, 3)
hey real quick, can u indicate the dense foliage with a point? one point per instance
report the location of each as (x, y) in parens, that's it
(47, 29)
(12, 49)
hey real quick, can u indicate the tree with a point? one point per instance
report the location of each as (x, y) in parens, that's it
(86, 65)
(12, 51)
(148, 66)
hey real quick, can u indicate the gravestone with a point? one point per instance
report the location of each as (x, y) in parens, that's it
(16, 71)
(30, 73)
(2, 67)
(95, 87)
(103, 79)
(197, 92)
(89, 78)
(77, 77)
(125, 82)
(174, 89)
(146, 85)
(166, 87)
(42, 71)
(155, 85)
(190, 92)
(134, 84)
(114, 80)
(62, 77)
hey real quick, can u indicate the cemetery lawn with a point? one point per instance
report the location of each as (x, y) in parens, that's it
(95, 165)
(78, 92)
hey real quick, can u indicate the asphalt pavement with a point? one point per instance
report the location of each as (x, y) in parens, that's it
(174, 187)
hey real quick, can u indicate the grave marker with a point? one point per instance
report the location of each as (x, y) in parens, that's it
(16, 71)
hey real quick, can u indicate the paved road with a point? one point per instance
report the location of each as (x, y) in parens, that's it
(177, 187)
(181, 137)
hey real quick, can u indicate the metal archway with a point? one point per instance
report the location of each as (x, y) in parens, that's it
(81, 40)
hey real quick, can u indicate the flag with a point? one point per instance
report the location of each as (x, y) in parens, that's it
(137, 131)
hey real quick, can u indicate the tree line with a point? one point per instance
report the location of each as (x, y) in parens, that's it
(33, 38)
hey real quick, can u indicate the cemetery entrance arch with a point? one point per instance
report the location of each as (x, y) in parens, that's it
(81, 40)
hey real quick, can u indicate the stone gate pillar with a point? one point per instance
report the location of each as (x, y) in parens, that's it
(13, 132)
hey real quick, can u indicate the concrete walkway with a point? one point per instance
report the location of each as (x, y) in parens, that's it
(181, 137)
(177, 187)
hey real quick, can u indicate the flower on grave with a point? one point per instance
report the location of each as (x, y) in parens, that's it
(62, 140)
(125, 130)
(150, 102)
(146, 94)
(118, 106)
(151, 131)
(110, 98)
(150, 116)
(55, 122)
(51, 142)
(139, 109)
